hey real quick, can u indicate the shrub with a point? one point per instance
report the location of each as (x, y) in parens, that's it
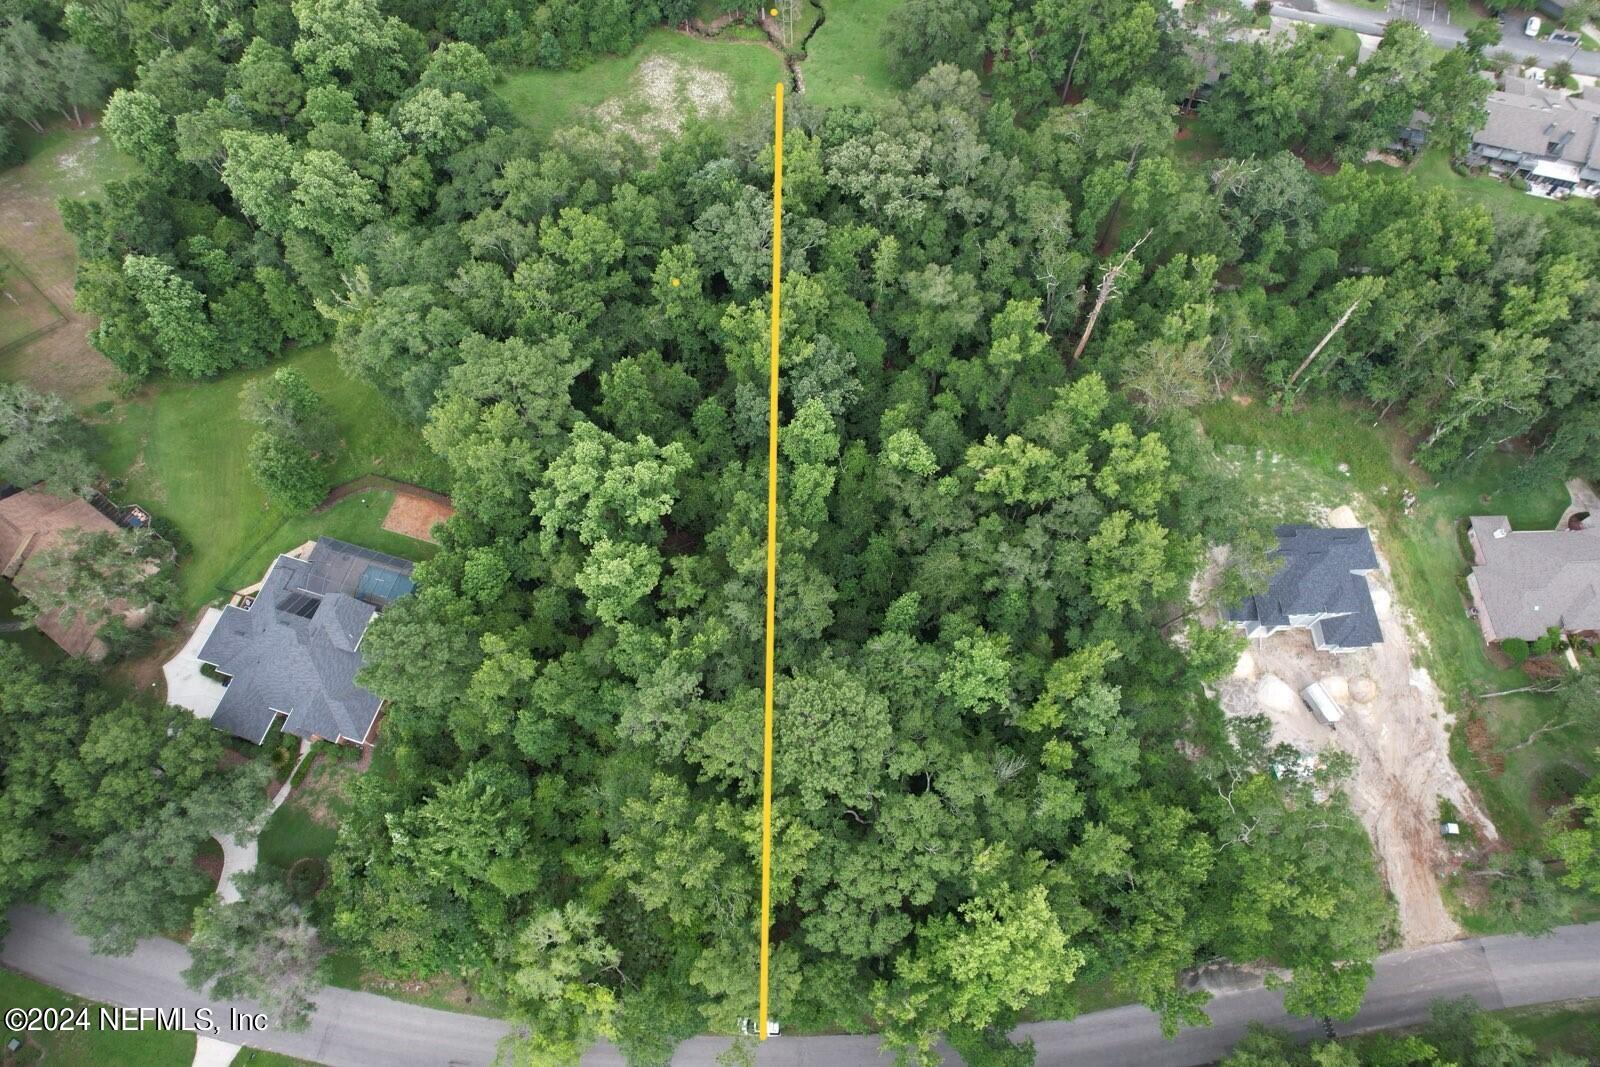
(305, 878)
(1515, 648)
(1519, 183)
(1558, 784)
(1550, 642)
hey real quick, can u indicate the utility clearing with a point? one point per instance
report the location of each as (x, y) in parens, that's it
(1396, 727)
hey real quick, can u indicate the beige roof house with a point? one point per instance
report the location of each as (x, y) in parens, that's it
(32, 521)
(1526, 581)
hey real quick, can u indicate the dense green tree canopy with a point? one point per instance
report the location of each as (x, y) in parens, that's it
(998, 774)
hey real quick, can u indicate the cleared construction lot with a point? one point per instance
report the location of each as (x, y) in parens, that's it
(1396, 727)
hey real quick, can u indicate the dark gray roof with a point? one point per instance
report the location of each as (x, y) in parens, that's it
(1322, 574)
(294, 651)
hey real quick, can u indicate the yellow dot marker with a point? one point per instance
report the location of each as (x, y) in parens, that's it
(772, 553)
(773, 12)
(676, 283)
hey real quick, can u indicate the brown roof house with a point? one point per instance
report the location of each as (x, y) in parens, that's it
(32, 521)
(1526, 581)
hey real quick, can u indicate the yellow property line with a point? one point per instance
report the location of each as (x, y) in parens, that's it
(772, 553)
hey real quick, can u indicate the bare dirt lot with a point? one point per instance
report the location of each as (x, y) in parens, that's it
(1397, 729)
(414, 515)
(45, 342)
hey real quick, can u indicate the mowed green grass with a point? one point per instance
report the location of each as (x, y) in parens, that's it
(1292, 461)
(1432, 171)
(179, 449)
(147, 1047)
(293, 833)
(255, 1057)
(548, 100)
(845, 60)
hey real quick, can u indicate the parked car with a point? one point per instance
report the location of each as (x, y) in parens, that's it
(1563, 37)
(1531, 27)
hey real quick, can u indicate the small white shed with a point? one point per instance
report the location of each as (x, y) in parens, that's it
(1323, 706)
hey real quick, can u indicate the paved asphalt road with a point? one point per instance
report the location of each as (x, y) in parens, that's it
(360, 1029)
(1446, 35)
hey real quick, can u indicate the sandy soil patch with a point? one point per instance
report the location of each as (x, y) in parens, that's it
(1395, 726)
(415, 516)
(664, 94)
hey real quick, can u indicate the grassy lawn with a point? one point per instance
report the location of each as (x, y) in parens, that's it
(178, 448)
(1293, 462)
(148, 1047)
(307, 825)
(1574, 1029)
(734, 78)
(1432, 170)
(845, 60)
(1345, 40)
(1197, 140)
(255, 1057)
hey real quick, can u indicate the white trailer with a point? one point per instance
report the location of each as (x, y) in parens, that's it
(1323, 706)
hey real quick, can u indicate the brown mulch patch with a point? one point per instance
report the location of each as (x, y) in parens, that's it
(1482, 745)
(1315, 165)
(208, 861)
(414, 515)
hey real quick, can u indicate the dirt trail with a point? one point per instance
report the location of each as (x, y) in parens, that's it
(1397, 728)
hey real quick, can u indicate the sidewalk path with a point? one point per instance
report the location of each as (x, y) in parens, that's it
(239, 850)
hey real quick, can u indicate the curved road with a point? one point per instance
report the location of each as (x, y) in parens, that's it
(358, 1029)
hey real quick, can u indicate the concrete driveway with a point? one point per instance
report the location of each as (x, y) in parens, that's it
(186, 686)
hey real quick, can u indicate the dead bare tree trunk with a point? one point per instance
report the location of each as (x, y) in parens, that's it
(1108, 289)
(1540, 732)
(1315, 352)
(1066, 86)
(1520, 689)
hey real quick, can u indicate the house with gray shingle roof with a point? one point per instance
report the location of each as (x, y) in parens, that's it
(1321, 587)
(294, 649)
(1547, 137)
(1525, 581)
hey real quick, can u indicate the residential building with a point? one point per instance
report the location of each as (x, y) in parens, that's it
(292, 647)
(1523, 582)
(1548, 138)
(1321, 587)
(32, 521)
